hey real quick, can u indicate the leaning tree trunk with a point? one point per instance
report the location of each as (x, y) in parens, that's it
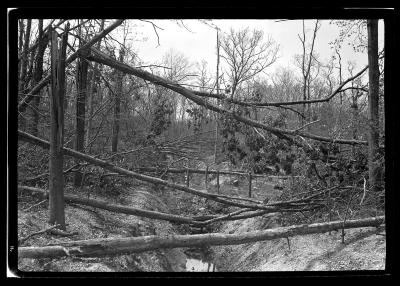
(81, 84)
(56, 177)
(373, 103)
(117, 105)
(37, 76)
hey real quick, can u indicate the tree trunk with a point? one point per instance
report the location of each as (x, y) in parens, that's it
(104, 59)
(117, 105)
(101, 204)
(37, 76)
(115, 246)
(20, 42)
(91, 93)
(373, 103)
(354, 113)
(81, 84)
(56, 177)
(106, 165)
(24, 60)
(216, 114)
(23, 63)
(27, 99)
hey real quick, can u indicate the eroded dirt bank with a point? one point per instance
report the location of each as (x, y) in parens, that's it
(363, 249)
(91, 223)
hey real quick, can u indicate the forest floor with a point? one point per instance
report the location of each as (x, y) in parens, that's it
(91, 223)
(363, 248)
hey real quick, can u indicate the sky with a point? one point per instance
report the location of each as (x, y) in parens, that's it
(200, 42)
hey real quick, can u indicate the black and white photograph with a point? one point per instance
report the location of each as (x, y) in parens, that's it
(205, 145)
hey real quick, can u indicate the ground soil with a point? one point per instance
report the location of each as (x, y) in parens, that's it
(90, 223)
(363, 248)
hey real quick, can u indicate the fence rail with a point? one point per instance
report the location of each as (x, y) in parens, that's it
(205, 171)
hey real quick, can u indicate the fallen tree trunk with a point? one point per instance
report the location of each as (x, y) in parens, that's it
(102, 58)
(116, 208)
(108, 166)
(115, 246)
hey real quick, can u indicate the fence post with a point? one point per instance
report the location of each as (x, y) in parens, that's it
(250, 184)
(218, 181)
(206, 177)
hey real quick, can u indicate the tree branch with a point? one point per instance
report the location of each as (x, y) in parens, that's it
(22, 105)
(101, 58)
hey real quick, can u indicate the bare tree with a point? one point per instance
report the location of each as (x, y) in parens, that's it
(247, 55)
(117, 104)
(56, 177)
(24, 61)
(356, 92)
(20, 41)
(306, 62)
(81, 86)
(91, 91)
(178, 70)
(373, 100)
(37, 76)
(217, 86)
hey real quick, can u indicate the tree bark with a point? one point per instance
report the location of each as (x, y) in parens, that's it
(37, 76)
(216, 114)
(91, 92)
(117, 105)
(81, 85)
(20, 42)
(25, 101)
(115, 246)
(373, 104)
(116, 208)
(108, 166)
(34, 46)
(24, 61)
(56, 177)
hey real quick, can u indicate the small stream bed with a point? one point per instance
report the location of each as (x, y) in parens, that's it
(196, 265)
(199, 260)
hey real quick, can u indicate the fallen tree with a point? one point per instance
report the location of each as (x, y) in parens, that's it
(116, 246)
(108, 166)
(102, 58)
(195, 221)
(115, 208)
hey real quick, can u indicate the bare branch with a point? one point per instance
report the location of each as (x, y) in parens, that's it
(155, 27)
